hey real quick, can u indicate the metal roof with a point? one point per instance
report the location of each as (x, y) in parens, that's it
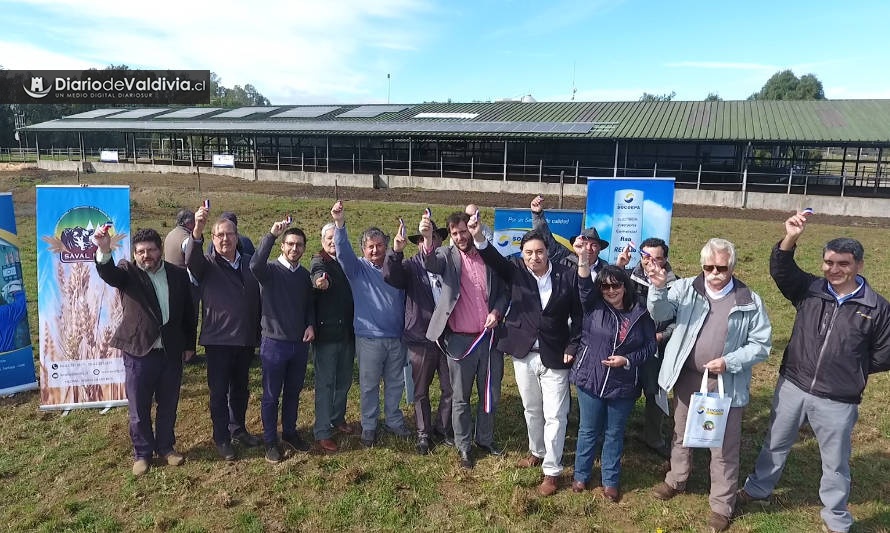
(824, 121)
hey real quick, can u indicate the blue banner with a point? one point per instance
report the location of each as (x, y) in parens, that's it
(626, 211)
(16, 354)
(78, 311)
(511, 224)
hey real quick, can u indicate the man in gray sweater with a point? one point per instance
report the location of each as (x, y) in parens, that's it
(288, 324)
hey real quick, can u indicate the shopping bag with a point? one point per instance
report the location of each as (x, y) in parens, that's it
(706, 419)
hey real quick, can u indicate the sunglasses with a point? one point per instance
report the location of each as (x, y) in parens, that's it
(611, 286)
(718, 268)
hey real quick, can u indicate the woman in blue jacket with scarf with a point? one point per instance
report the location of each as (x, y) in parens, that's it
(617, 336)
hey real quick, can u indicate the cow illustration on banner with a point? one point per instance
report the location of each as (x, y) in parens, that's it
(78, 312)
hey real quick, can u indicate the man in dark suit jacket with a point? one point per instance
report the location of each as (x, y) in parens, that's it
(473, 301)
(156, 333)
(541, 332)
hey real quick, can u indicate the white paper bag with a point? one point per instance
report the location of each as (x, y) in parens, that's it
(706, 419)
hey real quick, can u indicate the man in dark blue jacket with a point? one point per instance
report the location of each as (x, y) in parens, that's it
(422, 291)
(841, 335)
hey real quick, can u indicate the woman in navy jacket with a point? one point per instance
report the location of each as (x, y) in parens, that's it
(617, 336)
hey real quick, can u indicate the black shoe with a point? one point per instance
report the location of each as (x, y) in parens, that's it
(466, 459)
(443, 438)
(295, 442)
(246, 439)
(273, 454)
(491, 449)
(226, 451)
(423, 446)
(368, 438)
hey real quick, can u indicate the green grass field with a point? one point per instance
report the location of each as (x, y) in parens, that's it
(72, 473)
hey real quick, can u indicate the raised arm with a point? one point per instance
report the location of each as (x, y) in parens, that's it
(555, 251)
(791, 280)
(259, 262)
(194, 256)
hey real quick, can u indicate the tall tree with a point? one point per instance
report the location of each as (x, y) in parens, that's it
(785, 85)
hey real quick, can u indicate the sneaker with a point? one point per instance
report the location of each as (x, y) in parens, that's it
(742, 498)
(717, 522)
(273, 454)
(423, 446)
(295, 442)
(174, 458)
(140, 467)
(663, 491)
(244, 438)
(466, 459)
(226, 451)
(529, 461)
(369, 436)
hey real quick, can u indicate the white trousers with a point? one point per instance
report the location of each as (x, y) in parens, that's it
(545, 397)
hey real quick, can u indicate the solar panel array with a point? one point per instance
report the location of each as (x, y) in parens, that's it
(368, 111)
(190, 112)
(242, 112)
(306, 112)
(465, 116)
(95, 113)
(139, 113)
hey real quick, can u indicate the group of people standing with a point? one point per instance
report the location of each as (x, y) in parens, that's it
(563, 316)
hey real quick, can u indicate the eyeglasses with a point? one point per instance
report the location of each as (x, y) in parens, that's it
(611, 286)
(718, 268)
(225, 235)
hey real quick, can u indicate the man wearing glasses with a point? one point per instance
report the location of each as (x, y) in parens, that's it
(721, 328)
(230, 328)
(653, 252)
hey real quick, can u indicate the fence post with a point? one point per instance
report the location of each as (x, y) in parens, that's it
(381, 165)
(577, 164)
(698, 179)
(278, 161)
(471, 167)
(655, 170)
(790, 178)
(441, 168)
(541, 170)
(302, 162)
(353, 163)
(562, 181)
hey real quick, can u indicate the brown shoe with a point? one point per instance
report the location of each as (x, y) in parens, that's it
(548, 486)
(529, 461)
(663, 491)
(717, 522)
(174, 458)
(327, 445)
(612, 494)
(742, 498)
(140, 467)
(578, 486)
(346, 429)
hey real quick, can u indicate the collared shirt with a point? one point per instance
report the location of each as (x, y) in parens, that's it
(545, 289)
(284, 262)
(436, 286)
(841, 299)
(236, 264)
(471, 308)
(162, 291)
(722, 292)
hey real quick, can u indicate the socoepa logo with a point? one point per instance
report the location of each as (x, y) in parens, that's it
(72, 237)
(629, 197)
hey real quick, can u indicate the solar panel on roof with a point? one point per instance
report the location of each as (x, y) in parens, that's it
(190, 112)
(368, 111)
(139, 113)
(95, 113)
(242, 112)
(306, 112)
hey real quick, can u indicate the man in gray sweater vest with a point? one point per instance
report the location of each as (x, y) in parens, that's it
(288, 323)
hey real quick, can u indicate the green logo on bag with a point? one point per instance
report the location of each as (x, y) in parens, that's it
(708, 425)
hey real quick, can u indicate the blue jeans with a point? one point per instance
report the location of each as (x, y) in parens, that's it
(600, 418)
(284, 371)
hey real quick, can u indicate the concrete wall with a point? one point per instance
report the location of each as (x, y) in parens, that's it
(829, 205)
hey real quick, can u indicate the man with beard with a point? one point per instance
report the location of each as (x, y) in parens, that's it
(722, 329)
(156, 333)
(473, 301)
(288, 324)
